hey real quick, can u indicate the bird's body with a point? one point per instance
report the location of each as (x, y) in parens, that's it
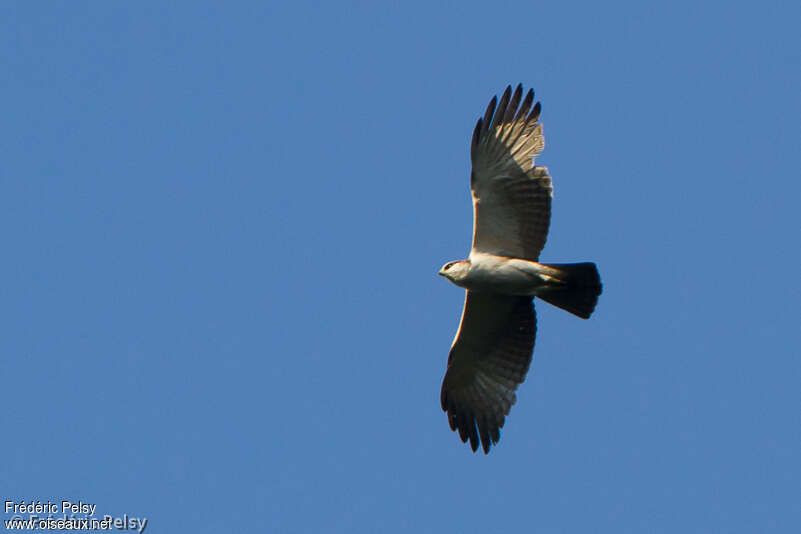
(492, 350)
(489, 273)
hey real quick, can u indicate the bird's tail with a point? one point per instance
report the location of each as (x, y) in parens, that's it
(576, 288)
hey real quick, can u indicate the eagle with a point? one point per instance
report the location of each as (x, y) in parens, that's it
(492, 350)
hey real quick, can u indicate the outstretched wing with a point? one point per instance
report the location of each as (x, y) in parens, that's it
(511, 197)
(489, 359)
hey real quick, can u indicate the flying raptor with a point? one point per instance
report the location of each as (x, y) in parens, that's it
(492, 350)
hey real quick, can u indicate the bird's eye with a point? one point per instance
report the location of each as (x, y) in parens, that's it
(448, 266)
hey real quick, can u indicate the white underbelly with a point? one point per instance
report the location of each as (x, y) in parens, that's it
(509, 276)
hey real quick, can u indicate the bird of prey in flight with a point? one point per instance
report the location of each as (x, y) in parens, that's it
(492, 350)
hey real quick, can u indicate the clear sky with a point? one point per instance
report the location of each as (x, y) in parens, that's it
(221, 226)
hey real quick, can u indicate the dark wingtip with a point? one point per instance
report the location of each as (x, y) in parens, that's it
(474, 441)
(521, 113)
(488, 114)
(511, 109)
(476, 136)
(500, 113)
(535, 113)
(507, 93)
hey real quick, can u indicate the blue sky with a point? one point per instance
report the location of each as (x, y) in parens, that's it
(221, 227)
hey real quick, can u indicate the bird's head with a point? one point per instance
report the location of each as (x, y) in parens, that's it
(455, 271)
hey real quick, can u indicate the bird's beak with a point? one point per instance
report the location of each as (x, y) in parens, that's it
(441, 272)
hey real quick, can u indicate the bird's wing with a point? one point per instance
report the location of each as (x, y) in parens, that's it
(488, 361)
(511, 197)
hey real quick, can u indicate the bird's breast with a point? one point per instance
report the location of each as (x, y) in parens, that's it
(509, 276)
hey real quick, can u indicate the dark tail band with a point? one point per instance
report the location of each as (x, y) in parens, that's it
(577, 290)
